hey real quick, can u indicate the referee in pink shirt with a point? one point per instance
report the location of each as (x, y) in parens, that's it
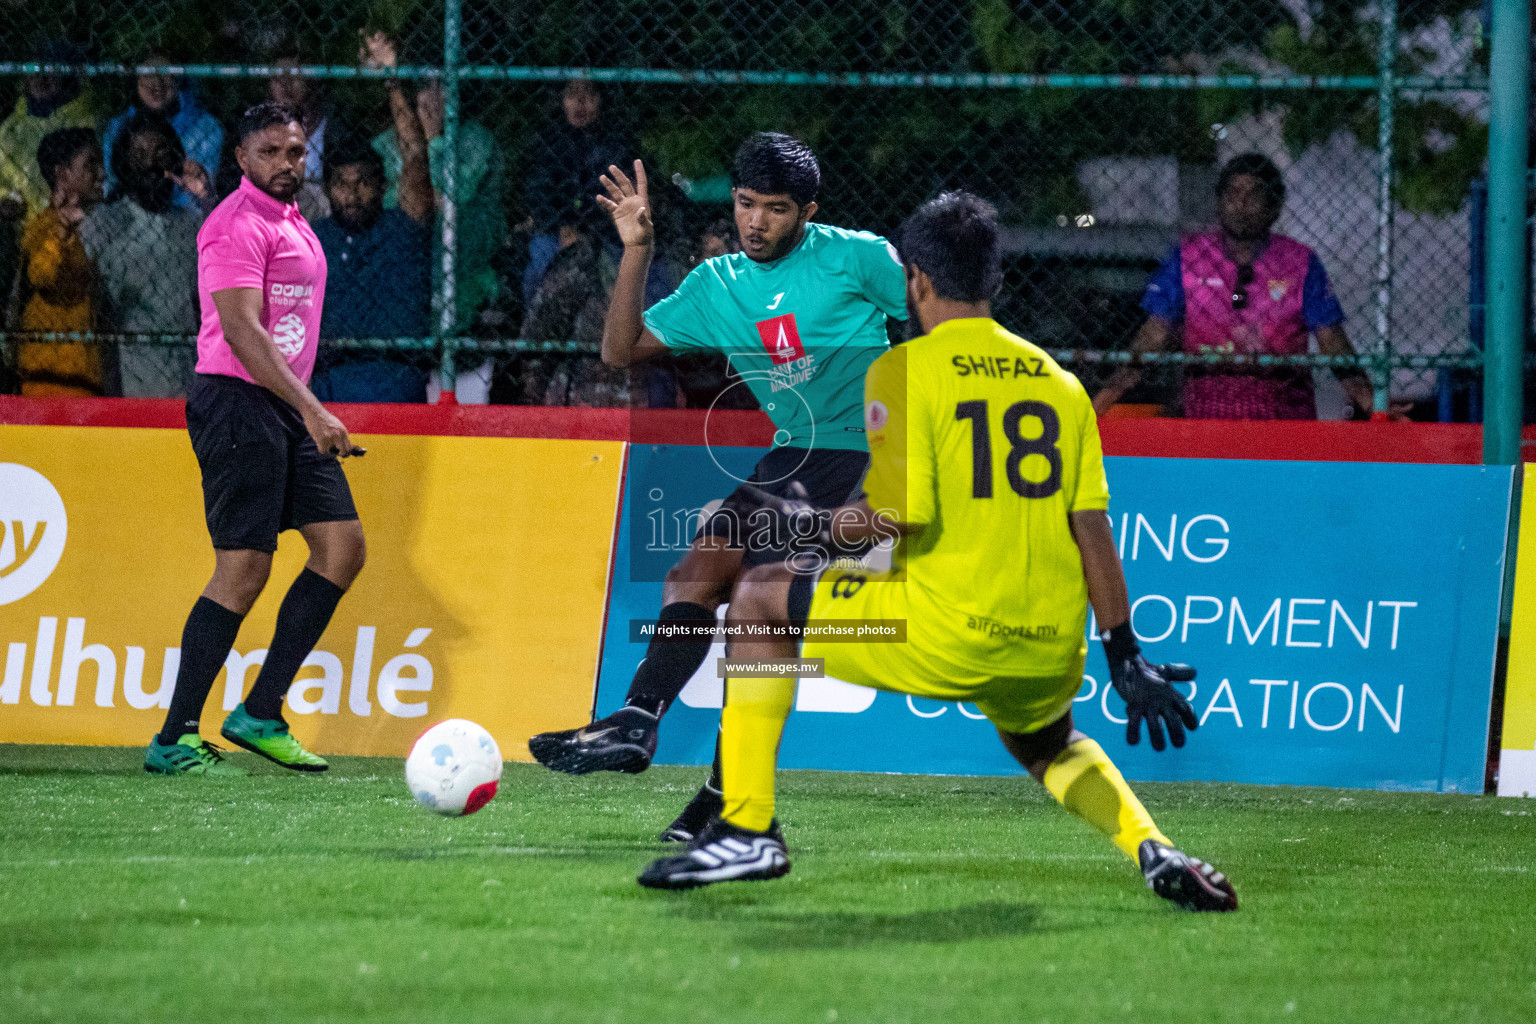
(267, 448)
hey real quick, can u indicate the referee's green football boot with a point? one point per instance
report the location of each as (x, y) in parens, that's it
(189, 755)
(270, 738)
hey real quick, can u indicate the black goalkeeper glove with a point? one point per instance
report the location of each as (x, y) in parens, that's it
(802, 525)
(1147, 690)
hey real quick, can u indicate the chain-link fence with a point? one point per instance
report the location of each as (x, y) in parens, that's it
(1098, 128)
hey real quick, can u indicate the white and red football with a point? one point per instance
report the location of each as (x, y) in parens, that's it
(454, 768)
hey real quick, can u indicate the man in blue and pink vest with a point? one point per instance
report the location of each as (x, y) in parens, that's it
(1240, 288)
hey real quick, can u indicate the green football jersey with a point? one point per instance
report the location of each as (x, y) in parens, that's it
(801, 331)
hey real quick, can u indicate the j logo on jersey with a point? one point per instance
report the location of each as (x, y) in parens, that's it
(781, 338)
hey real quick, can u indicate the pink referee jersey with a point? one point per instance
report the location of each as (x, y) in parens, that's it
(1274, 321)
(251, 240)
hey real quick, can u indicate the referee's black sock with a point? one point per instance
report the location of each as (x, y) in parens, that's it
(305, 613)
(716, 778)
(670, 663)
(205, 642)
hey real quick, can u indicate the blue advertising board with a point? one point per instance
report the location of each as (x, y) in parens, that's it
(1342, 616)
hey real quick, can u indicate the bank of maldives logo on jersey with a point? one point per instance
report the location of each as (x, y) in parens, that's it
(288, 333)
(32, 530)
(781, 338)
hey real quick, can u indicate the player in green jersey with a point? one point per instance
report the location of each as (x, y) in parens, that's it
(801, 313)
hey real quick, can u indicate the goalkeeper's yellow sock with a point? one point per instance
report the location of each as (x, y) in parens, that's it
(750, 727)
(1088, 784)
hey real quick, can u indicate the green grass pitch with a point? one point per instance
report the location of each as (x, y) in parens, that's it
(284, 899)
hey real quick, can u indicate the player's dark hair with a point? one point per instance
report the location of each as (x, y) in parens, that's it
(1258, 166)
(954, 240)
(263, 116)
(777, 165)
(59, 148)
(144, 122)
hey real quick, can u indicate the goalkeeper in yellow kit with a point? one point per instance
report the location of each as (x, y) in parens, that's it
(985, 458)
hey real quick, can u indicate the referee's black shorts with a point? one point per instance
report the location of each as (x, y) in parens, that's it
(262, 473)
(832, 477)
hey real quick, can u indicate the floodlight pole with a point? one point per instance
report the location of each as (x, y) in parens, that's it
(1386, 66)
(1508, 264)
(447, 324)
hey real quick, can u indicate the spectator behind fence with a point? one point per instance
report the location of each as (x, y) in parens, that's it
(307, 96)
(144, 245)
(717, 239)
(201, 135)
(481, 217)
(1241, 289)
(696, 380)
(570, 305)
(568, 157)
(56, 274)
(48, 102)
(379, 283)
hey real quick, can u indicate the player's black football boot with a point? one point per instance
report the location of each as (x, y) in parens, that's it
(1187, 881)
(705, 806)
(625, 741)
(721, 853)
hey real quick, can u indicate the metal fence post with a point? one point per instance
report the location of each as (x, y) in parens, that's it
(1508, 265)
(447, 323)
(1386, 60)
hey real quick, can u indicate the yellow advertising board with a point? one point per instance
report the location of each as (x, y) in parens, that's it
(482, 598)
(1517, 753)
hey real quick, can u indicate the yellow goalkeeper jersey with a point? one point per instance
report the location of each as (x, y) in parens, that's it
(980, 437)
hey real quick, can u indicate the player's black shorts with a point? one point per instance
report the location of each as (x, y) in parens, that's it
(833, 477)
(262, 473)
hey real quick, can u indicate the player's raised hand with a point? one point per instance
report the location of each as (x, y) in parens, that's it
(629, 204)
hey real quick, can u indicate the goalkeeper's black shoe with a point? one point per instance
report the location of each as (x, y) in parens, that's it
(705, 806)
(1187, 881)
(721, 853)
(625, 741)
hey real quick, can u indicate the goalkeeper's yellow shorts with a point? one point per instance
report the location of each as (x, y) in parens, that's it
(1016, 704)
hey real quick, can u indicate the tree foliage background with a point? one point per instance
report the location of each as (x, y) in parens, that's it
(884, 149)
